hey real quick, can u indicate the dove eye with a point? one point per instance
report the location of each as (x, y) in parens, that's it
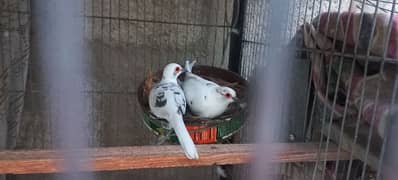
(228, 95)
(177, 69)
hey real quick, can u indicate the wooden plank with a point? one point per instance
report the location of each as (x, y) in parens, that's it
(140, 157)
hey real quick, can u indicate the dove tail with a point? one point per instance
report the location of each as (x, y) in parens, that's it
(189, 65)
(184, 138)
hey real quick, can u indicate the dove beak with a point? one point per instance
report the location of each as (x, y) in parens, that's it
(180, 72)
(235, 99)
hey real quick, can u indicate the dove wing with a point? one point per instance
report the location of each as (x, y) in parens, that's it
(200, 80)
(168, 96)
(167, 101)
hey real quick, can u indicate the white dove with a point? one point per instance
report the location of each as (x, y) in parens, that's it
(167, 101)
(205, 98)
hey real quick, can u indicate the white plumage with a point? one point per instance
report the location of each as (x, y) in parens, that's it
(167, 101)
(205, 98)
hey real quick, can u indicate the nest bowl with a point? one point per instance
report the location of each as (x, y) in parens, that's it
(202, 130)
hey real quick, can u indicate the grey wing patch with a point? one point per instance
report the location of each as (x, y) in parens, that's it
(209, 84)
(160, 99)
(180, 110)
(179, 99)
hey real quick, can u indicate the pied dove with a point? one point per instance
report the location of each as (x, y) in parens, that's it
(205, 99)
(167, 101)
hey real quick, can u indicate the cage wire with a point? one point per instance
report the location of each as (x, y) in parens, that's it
(126, 41)
(344, 82)
(131, 39)
(14, 55)
(138, 38)
(330, 117)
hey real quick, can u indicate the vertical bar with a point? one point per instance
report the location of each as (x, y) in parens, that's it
(129, 54)
(327, 90)
(93, 83)
(364, 84)
(389, 131)
(116, 79)
(272, 83)
(102, 95)
(314, 99)
(136, 55)
(84, 15)
(386, 140)
(224, 38)
(335, 90)
(196, 29)
(3, 92)
(187, 29)
(119, 41)
(153, 31)
(261, 19)
(176, 32)
(309, 106)
(145, 40)
(93, 22)
(235, 55)
(348, 94)
(215, 32)
(249, 33)
(60, 44)
(9, 29)
(292, 27)
(246, 32)
(264, 36)
(385, 47)
(162, 47)
(109, 67)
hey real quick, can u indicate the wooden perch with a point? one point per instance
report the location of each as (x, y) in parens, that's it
(139, 157)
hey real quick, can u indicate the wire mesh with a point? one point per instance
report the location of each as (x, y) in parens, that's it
(14, 55)
(329, 117)
(125, 41)
(128, 39)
